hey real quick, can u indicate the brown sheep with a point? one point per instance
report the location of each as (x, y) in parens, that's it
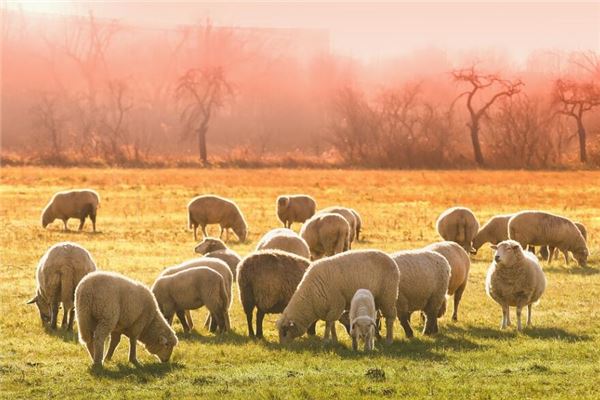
(78, 204)
(211, 209)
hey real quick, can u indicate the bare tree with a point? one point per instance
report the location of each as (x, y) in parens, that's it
(202, 92)
(47, 118)
(114, 120)
(480, 82)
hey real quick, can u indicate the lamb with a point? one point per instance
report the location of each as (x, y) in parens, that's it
(295, 208)
(494, 231)
(423, 286)
(107, 303)
(460, 264)
(363, 315)
(327, 288)
(78, 204)
(514, 279)
(190, 289)
(267, 280)
(286, 240)
(545, 229)
(326, 234)
(215, 248)
(348, 216)
(218, 266)
(211, 209)
(548, 253)
(58, 272)
(458, 224)
(358, 220)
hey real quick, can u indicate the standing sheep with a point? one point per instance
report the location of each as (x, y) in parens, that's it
(267, 280)
(548, 253)
(215, 248)
(286, 240)
(538, 228)
(423, 286)
(111, 304)
(494, 231)
(358, 220)
(348, 215)
(78, 204)
(514, 279)
(326, 235)
(295, 208)
(460, 264)
(191, 289)
(363, 316)
(210, 209)
(58, 272)
(327, 288)
(458, 224)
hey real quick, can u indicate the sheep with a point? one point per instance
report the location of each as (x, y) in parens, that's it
(211, 209)
(546, 229)
(267, 280)
(358, 220)
(460, 264)
(494, 231)
(215, 248)
(58, 272)
(78, 204)
(348, 215)
(215, 264)
(548, 253)
(327, 288)
(295, 208)
(326, 234)
(458, 224)
(514, 279)
(363, 316)
(423, 286)
(286, 240)
(190, 289)
(108, 303)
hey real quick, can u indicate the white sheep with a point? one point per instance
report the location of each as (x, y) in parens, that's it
(107, 303)
(58, 272)
(211, 209)
(78, 204)
(514, 279)
(424, 278)
(458, 224)
(286, 240)
(216, 248)
(359, 223)
(326, 234)
(350, 217)
(494, 231)
(327, 288)
(294, 208)
(548, 252)
(363, 315)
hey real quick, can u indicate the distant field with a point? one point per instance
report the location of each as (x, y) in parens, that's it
(142, 229)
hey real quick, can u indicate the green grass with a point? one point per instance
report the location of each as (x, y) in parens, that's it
(142, 224)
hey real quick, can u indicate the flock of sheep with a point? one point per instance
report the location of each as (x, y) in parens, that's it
(305, 277)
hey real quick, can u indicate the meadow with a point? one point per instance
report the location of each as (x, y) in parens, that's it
(142, 228)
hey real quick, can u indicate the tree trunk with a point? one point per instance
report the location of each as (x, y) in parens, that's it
(202, 144)
(474, 126)
(582, 139)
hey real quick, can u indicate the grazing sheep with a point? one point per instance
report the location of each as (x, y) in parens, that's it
(295, 208)
(358, 220)
(210, 209)
(514, 279)
(423, 286)
(111, 304)
(78, 204)
(215, 264)
(215, 248)
(494, 231)
(267, 280)
(286, 240)
(548, 253)
(363, 316)
(460, 264)
(348, 215)
(326, 234)
(458, 224)
(190, 289)
(58, 272)
(327, 288)
(538, 228)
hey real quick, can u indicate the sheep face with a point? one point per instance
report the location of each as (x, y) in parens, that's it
(507, 253)
(581, 255)
(163, 347)
(43, 307)
(363, 328)
(241, 232)
(288, 330)
(282, 203)
(47, 217)
(208, 245)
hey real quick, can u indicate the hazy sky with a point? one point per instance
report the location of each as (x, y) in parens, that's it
(371, 30)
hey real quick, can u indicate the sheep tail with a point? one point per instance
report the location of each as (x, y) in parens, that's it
(461, 233)
(225, 303)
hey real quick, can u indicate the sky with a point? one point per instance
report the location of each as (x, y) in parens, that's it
(376, 30)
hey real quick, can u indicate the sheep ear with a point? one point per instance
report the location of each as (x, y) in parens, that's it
(32, 300)
(514, 246)
(291, 323)
(494, 247)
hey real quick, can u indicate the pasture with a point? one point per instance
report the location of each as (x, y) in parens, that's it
(142, 227)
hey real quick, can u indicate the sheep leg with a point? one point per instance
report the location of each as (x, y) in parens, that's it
(71, 319)
(100, 333)
(430, 323)
(519, 309)
(226, 234)
(133, 351)
(204, 231)
(195, 230)
(181, 316)
(327, 331)
(65, 319)
(566, 254)
(405, 322)
(249, 322)
(188, 319)
(81, 223)
(260, 315)
(53, 314)
(355, 343)
(221, 234)
(65, 224)
(93, 218)
(312, 329)
(457, 297)
(212, 326)
(115, 338)
(529, 306)
(505, 317)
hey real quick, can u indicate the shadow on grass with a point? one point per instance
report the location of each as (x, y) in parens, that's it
(143, 373)
(576, 270)
(511, 332)
(208, 338)
(65, 335)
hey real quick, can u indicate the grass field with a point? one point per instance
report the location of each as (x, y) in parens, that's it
(142, 229)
